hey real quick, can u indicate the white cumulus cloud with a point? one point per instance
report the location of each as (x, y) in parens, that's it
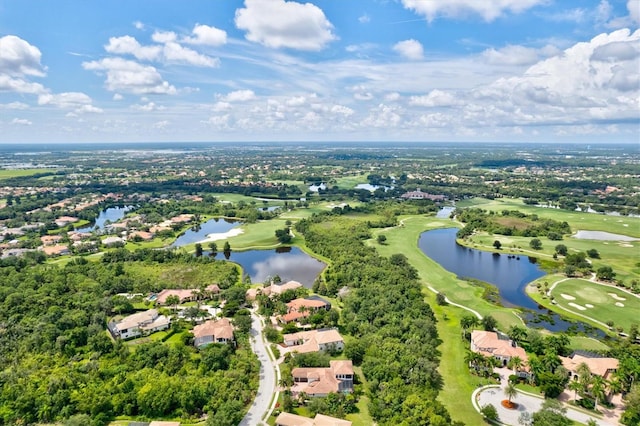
(410, 49)
(204, 34)
(288, 24)
(21, 122)
(518, 55)
(239, 96)
(435, 98)
(127, 45)
(489, 10)
(633, 6)
(19, 58)
(130, 77)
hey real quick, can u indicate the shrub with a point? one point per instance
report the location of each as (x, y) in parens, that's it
(490, 412)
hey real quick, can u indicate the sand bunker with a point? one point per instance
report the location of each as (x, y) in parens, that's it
(588, 305)
(223, 235)
(615, 296)
(626, 245)
(578, 307)
(567, 297)
(620, 305)
(601, 235)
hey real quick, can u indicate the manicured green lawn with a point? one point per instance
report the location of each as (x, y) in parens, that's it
(601, 299)
(7, 174)
(620, 255)
(404, 239)
(586, 344)
(459, 384)
(577, 220)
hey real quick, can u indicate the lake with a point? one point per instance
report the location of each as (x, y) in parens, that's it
(290, 263)
(200, 232)
(112, 214)
(508, 273)
(372, 188)
(316, 188)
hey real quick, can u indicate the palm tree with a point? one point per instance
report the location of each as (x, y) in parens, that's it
(174, 301)
(598, 388)
(584, 375)
(576, 387)
(517, 333)
(510, 391)
(516, 363)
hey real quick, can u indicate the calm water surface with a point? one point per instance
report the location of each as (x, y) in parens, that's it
(509, 274)
(200, 232)
(290, 263)
(112, 214)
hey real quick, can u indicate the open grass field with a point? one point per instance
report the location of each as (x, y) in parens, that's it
(12, 173)
(178, 276)
(350, 182)
(600, 302)
(404, 239)
(578, 220)
(622, 256)
(459, 384)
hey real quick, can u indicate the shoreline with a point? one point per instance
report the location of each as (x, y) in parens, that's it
(222, 235)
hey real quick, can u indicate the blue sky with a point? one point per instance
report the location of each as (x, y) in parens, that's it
(271, 70)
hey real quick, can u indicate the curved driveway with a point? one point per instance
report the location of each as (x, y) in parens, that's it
(263, 402)
(526, 402)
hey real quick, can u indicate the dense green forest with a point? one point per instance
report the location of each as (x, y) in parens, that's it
(510, 222)
(396, 337)
(57, 360)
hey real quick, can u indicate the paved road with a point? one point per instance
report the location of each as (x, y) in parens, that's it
(494, 395)
(268, 381)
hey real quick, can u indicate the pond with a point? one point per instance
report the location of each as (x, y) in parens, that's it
(290, 263)
(372, 188)
(112, 214)
(509, 273)
(199, 232)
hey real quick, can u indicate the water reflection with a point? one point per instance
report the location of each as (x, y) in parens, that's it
(200, 232)
(510, 274)
(289, 263)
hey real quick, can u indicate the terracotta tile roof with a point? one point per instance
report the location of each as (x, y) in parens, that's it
(321, 381)
(342, 367)
(183, 294)
(599, 366)
(288, 419)
(281, 288)
(55, 250)
(322, 420)
(311, 340)
(307, 303)
(221, 329)
(488, 343)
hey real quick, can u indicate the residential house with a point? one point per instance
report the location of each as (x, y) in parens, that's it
(303, 308)
(319, 382)
(220, 331)
(141, 323)
(184, 294)
(56, 250)
(65, 220)
(490, 343)
(142, 235)
(314, 341)
(288, 419)
(50, 240)
(598, 365)
(273, 289)
(419, 195)
(111, 241)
